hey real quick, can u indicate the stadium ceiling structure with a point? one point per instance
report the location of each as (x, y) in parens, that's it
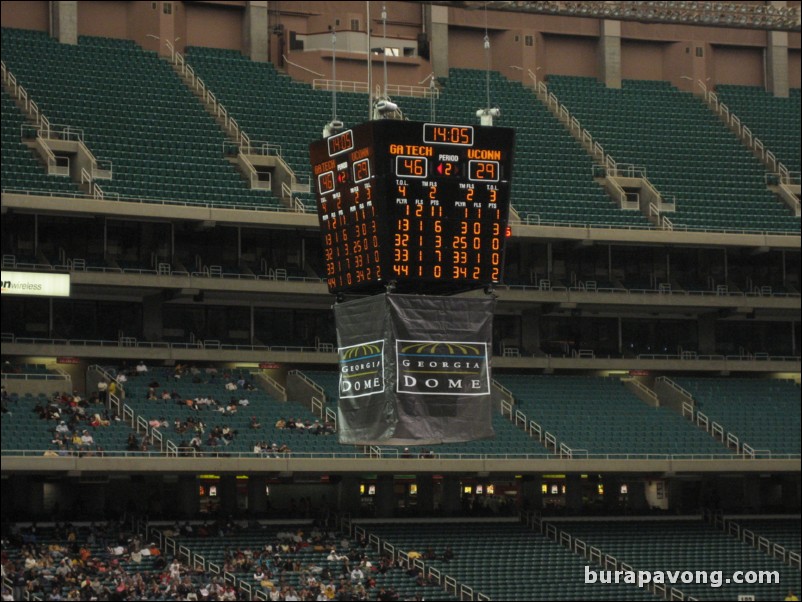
(710, 14)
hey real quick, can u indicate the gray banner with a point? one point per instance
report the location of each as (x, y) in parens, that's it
(414, 369)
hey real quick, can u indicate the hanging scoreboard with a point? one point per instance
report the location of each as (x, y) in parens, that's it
(423, 205)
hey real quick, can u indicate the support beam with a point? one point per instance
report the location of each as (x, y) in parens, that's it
(64, 21)
(610, 53)
(254, 30)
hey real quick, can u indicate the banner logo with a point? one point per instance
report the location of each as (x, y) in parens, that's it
(361, 369)
(442, 368)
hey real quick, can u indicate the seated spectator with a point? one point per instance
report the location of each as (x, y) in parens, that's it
(86, 439)
(141, 368)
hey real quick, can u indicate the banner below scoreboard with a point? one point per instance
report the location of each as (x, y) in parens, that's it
(414, 370)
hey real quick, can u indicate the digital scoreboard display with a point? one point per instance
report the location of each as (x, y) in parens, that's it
(420, 205)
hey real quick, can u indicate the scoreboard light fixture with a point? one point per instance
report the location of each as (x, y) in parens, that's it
(742, 15)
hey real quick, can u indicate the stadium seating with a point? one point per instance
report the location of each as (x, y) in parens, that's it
(504, 561)
(102, 559)
(686, 545)
(764, 414)
(135, 112)
(307, 557)
(600, 416)
(783, 531)
(773, 119)
(553, 173)
(552, 181)
(23, 429)
(688, 154)
(21, 169)
(261, 405)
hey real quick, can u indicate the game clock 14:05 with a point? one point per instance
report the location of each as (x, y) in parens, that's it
(422, 205)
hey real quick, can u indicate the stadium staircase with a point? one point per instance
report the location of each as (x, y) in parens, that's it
(553, 175)
(210, 552)
(265, 408)
(679, 544)
(132, 111)
(777, 537)
(684, 149)
(601, 416)
(24, 170)
(495, 559)
(627, 184)
(764, 413)
(756, 116)
(261, 163)
(764, 122)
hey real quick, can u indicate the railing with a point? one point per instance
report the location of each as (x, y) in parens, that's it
(622, 197)
(292, 202)
(749, 537)
(446, 582)
(144, 199)
(362, 87)
(582, 134)
(45, 376)
(745, 134)
(197, 562)
(24, 340)
(720, 433)
(20, 93)
(324, 412)
(217, 108)
(308, 381)
(597, 556)
(242, 139)
(643, 389)
(509, 397)
(372, 453)
(530, 427)
(675, 386)
(86, 178)
(54, 167)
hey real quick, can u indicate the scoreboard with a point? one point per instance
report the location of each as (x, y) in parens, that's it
(420, 205)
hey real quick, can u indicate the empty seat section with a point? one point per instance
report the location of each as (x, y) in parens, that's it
(504, 561)
(775, 120)
(763, 413)
(689, 155)
(687, 545)
(552, 181)
(134, 111)
(786, 532)
(22, 170)
(600, 415)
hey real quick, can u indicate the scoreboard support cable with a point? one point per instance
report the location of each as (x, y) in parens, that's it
(420, 207)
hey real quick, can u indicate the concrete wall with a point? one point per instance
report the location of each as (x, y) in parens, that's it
(26, 14)
(742, 66)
